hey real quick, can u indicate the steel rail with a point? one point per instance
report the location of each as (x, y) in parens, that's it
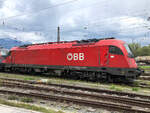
(96, 104)
(97, 90)
(123, 100)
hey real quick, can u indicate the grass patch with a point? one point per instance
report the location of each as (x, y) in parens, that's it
(20, 76)
(148, 82)
(27, 100)
(119, 89)
(144, 67)
(29, 78)
(112, 87)
(136, 83)
(135, 89)
(13, 97)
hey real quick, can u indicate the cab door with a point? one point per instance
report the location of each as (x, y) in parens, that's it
(12, 57)
(116, 57)
(104, 56)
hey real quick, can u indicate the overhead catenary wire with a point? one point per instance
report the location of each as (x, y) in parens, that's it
(38, 11)
(29, 13)
(56, 6)
(52, 29)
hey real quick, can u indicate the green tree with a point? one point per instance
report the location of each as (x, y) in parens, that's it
(144, 51)
(135, 48)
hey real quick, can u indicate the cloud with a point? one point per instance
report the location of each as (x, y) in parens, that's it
(23, 36)
(78, 19)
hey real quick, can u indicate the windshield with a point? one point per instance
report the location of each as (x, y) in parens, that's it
(130, 54)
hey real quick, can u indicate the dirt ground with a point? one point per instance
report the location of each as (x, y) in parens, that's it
(8, 109)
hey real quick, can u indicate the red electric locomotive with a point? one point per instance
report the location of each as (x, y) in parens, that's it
(103, 59)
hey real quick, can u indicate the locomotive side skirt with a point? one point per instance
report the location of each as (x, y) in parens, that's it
(128, 72)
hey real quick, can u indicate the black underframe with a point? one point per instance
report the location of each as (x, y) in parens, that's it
(113, 71)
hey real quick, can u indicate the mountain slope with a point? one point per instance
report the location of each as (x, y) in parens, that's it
(9, 43)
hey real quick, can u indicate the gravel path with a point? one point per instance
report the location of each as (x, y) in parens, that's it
(8, 109)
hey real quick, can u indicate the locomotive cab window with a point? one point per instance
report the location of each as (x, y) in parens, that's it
(130, 54)
(115, 50)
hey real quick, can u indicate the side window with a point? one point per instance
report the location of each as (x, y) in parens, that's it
(115, 50)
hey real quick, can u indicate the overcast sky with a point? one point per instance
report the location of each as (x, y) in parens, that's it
(36, 21)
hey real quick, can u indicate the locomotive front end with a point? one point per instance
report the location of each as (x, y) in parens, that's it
(120, 60)
(133, 70)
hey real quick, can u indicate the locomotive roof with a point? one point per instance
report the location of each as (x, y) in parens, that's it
(65, 44)
(81, 41)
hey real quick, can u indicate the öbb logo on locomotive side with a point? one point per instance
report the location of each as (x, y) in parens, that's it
(75, 56)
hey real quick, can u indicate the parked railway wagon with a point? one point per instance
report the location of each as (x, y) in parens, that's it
(143, 60)
(96, 59)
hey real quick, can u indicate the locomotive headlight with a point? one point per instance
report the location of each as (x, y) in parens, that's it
(112, 56)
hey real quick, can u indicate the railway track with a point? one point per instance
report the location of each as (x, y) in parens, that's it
(142, 84)
(96, 90)
(125, 102)
(110, 106)
(144, 78)
(122, 100)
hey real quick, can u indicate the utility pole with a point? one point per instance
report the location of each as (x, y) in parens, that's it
(58, 34)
